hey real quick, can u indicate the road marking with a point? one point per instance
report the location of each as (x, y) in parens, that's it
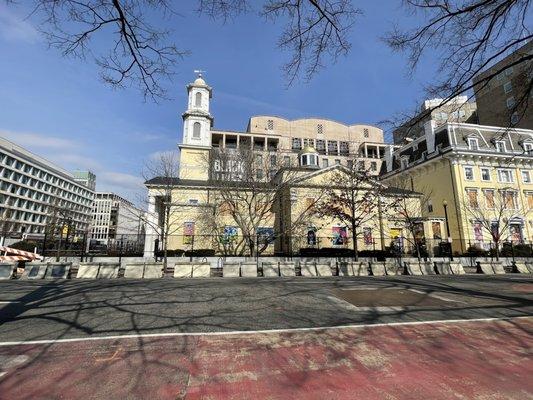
(264, 331)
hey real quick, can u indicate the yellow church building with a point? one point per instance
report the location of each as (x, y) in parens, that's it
(265, 190)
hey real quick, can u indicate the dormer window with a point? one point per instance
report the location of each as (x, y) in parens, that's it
(404, 162)
(270, 124)
(473, 143)
(320, 129)
(528, 148)
(500, 146)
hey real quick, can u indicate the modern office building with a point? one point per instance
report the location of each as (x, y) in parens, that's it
(86, 178)
(115, 219)
(507, 99)
(458, 109)
(481, 177)
(276, 168)
(35, 193)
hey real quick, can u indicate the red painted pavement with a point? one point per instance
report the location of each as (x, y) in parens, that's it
(467, 360)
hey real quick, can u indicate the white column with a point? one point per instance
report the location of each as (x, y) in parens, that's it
(152, 233)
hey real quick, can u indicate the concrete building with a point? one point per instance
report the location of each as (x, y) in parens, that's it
(279, 164)
(481, 174)
(115, 219)
(35, 193)
(499, 99)
(458, 109)
(86, 178)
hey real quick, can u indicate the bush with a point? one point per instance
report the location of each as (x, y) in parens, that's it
(200, 253)
(475, 251)
(25, 246)
(325, 252)
(171, 253)
(519, 250)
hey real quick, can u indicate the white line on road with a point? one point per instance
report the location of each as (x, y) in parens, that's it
(264, 331)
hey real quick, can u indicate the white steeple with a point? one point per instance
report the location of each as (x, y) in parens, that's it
(197, 120)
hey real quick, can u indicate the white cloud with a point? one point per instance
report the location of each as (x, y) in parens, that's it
(68, 154)
(14, 27)
(256, 105)
(38, 140)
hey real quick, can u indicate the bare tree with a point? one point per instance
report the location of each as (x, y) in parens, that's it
(7, 224)
(142, 54)
(406, 211)
(247, 187)
(499, 211)
(469, 36)
(353, 198)
(161, 174)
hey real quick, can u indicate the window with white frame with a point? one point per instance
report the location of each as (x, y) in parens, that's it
(469, 173)
(489, 198)
(526, 178)
(471, 195)
(485, 174)
(505, 175)
(405, 162)
(507, 87)
(473, 143)
(528, 148)
(196, 128)
(500, 146)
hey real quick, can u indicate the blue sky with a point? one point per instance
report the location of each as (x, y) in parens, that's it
(58, 107)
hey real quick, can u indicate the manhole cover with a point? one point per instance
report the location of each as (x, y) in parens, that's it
(389, 298)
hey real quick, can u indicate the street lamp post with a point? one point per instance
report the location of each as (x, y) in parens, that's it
(445, 205)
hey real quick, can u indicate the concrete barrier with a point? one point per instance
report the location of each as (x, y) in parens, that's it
(521, 267)
(457, 268)
(323, 270)
(134, 270)
(490, 267)
(377, 268)
(201, 270)
(231, 270)
(183, 270)
(108, 271)
(58, 270)
(345, 268)
(360, 268)
(153, 270)
(392, 267)
(428, 268)
(443, 267)
(287, 268)
(529, 266)
(88, 270)
(35, 270)
(6, 270)
(270, 269)
(414, 268)
(307, 269)
(249, 270)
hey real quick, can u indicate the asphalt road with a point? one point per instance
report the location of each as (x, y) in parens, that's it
(41, 310)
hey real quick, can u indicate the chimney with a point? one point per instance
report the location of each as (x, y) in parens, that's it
(388, 157)
(429, 131)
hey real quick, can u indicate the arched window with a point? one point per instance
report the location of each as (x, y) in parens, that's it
(196, 130)
(198, 99)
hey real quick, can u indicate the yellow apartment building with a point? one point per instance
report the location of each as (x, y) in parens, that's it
(481, 175)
